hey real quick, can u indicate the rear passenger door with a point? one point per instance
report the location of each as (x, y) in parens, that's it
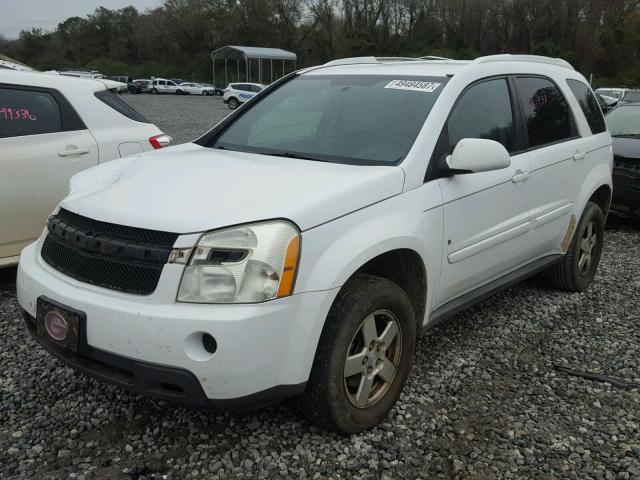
(557, 155)
(43, 143)
(486, 215)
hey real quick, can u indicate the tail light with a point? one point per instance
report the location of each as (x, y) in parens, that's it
(160, 141)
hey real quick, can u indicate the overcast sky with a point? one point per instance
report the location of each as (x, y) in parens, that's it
(16, 15)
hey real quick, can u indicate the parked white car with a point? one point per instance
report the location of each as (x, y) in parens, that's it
(237, 93)
(196, 88)
(303, 245)
(162, 85)
(618, 93)
(52, 127)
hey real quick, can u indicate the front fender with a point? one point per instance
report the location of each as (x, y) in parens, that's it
(334, 251)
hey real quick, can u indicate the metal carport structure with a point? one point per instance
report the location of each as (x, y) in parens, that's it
(247, 54)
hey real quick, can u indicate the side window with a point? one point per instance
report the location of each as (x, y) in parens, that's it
(589, 105)
(116, 102)
(162, 82)
(547, 114)
(255, 88)
(483, 111)
(28, 112)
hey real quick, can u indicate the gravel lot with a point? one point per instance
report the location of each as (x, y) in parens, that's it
(185, 118)
(484, 400)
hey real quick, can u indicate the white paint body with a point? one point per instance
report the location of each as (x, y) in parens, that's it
(35, 169)
(469, 230)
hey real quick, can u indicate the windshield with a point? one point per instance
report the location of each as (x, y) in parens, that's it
(624, 121)
(355, 119)
(632, 96)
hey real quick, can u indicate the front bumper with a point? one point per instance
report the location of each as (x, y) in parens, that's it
(264, 350)
(626, 192)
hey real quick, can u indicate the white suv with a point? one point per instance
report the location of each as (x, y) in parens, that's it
(52, 127)
(237, 93)
(303, 245)
(162, 85)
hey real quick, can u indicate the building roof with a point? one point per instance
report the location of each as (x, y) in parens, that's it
(234, 52)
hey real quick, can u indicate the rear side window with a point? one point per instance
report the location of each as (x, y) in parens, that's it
(28, 112)
(589, 105)
(632, 97)
(483, 111)
(119, 105)
(547, 114)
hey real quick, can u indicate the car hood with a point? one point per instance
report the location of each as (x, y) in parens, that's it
(626, 147)
(189, 188)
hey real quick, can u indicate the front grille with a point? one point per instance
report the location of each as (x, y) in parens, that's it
(117, 257)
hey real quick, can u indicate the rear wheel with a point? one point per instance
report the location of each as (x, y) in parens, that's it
(132, 90)
(233, 103)
(154, 91)
(363, 357)
(578, 267)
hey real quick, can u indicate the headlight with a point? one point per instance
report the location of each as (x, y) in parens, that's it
(245, 264)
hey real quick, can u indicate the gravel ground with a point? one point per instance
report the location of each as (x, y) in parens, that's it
(484, 400)
(185, 118)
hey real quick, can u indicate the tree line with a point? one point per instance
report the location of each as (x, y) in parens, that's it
(600, 37)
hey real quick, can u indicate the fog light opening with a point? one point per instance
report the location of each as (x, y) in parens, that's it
(209, 343)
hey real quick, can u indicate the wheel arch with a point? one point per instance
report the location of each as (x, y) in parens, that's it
(405, 268)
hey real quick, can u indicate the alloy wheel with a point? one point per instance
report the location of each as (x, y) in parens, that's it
(372, 358)
(588, 245)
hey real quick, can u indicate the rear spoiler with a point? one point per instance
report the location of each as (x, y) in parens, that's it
(110, 84)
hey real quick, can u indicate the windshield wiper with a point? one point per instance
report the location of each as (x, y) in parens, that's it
(299, 156)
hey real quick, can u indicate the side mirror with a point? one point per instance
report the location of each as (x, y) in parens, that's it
(473, 155)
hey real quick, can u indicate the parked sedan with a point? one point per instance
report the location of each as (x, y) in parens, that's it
(196, 89)
(624, 125)
(52, 127)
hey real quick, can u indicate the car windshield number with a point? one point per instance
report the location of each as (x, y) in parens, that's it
(414, 85)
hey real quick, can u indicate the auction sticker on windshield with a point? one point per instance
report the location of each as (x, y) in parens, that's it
(415, 85)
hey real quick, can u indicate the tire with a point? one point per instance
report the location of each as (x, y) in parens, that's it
(578, 267)
(233, 103)
(132, 90)
(332, 399)
(154, 91)
(204, 93)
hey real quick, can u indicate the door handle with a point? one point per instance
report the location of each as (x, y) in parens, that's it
(73, 152)
(579, 156)
(520, 176)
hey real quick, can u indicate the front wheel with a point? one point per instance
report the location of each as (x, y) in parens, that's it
(154, 91)
(233, 103)
(578, 267)
(363, 358)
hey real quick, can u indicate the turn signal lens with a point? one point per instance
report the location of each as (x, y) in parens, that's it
(160, 141)
(290, 268)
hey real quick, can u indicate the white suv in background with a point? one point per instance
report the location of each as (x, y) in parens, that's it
(303, 245)
(52, 127)
(237, 93)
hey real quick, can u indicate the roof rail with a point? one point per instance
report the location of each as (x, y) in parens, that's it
(524, 58)
(360, 60)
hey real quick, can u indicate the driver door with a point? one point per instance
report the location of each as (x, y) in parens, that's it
(486, 214)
